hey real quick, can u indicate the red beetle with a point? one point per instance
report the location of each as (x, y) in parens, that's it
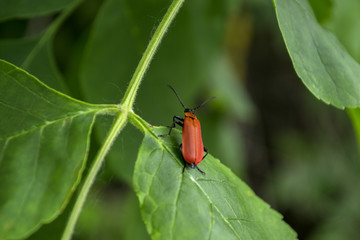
(192, 147)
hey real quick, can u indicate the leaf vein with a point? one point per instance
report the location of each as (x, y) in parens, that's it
(209, 199)
(152, 180)
(212, 220)
(232, 209)
(26, 195)
(66, 139)
(2, 153)
(29, 89)
(175, 206)
(153, 175)
(22, 110)
(45, 124)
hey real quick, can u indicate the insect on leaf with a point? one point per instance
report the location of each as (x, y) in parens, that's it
(217, 205)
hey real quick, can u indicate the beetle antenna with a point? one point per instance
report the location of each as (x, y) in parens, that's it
(177, 95)
(203, 103)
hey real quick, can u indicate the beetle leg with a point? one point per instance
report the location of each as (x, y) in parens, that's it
(176, 120)
(202, 172)
(206, 153)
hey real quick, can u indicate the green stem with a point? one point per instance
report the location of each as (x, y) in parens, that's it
(116, 128)
(126, 108)
(139, 123)
(130, 94)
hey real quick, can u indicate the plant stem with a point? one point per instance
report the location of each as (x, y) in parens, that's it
(144, 63)
(126, 107)
(116, 128)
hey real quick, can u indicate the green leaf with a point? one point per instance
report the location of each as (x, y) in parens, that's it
(26, 9)
(44, 140)
(346, 13)
(320, 60)
(193, 206)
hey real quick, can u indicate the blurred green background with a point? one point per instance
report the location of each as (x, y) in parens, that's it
(296, 152)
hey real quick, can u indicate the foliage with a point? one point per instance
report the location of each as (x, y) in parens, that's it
(91, 54)
(171, 202)
(323, 64)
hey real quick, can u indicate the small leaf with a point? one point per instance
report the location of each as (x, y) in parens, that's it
(322, 63)
(44, 140)
(193, 206)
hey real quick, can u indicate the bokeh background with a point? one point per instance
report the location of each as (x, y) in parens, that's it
(297, 153)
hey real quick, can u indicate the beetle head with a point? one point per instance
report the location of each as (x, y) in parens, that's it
(188, 110)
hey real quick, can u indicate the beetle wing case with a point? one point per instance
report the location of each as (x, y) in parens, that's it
(192, 144)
